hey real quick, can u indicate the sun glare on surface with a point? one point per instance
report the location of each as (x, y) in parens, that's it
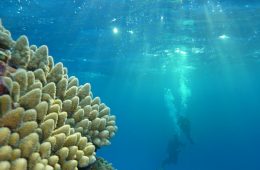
(115, 30)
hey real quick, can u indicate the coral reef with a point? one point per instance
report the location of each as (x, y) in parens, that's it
(47, 120)
(99, 164)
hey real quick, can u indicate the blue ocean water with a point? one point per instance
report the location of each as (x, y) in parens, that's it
(150, 60)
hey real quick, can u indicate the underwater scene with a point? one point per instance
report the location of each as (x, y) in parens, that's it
(130, 85)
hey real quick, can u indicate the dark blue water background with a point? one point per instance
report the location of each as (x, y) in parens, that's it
(207, 53)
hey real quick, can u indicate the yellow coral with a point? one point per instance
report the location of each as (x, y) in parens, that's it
(48, 121)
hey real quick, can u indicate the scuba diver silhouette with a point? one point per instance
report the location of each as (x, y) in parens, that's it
(173, 150)
(175, 145)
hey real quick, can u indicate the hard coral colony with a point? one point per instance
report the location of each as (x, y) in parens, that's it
(47, 121)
